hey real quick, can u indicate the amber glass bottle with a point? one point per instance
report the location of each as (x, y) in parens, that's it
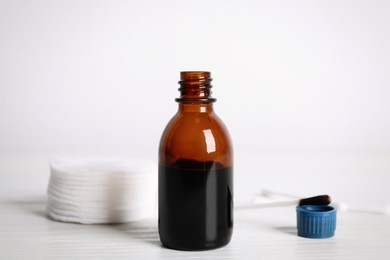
(195, 171)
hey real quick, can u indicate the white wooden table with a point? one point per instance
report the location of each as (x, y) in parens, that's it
(358, 179)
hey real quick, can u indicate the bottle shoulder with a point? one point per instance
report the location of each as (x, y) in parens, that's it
(198, 136)
(192, 124)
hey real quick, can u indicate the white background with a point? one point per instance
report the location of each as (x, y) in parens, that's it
(303, 86)
(100, 77)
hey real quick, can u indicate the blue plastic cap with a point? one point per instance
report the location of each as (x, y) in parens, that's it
(316, 221)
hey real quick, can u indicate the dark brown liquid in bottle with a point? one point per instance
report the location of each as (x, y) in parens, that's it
(195, 172)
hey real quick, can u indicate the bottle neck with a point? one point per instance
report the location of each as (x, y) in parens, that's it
(196, 108)
(195, 88)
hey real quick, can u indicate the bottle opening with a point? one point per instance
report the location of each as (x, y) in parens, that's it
(195, 76)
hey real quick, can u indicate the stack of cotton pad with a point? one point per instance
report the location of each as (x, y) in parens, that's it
(92, 191)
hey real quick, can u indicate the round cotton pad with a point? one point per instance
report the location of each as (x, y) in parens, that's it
(95, 190)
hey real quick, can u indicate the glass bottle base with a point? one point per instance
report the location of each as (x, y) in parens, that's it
(207, 246)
